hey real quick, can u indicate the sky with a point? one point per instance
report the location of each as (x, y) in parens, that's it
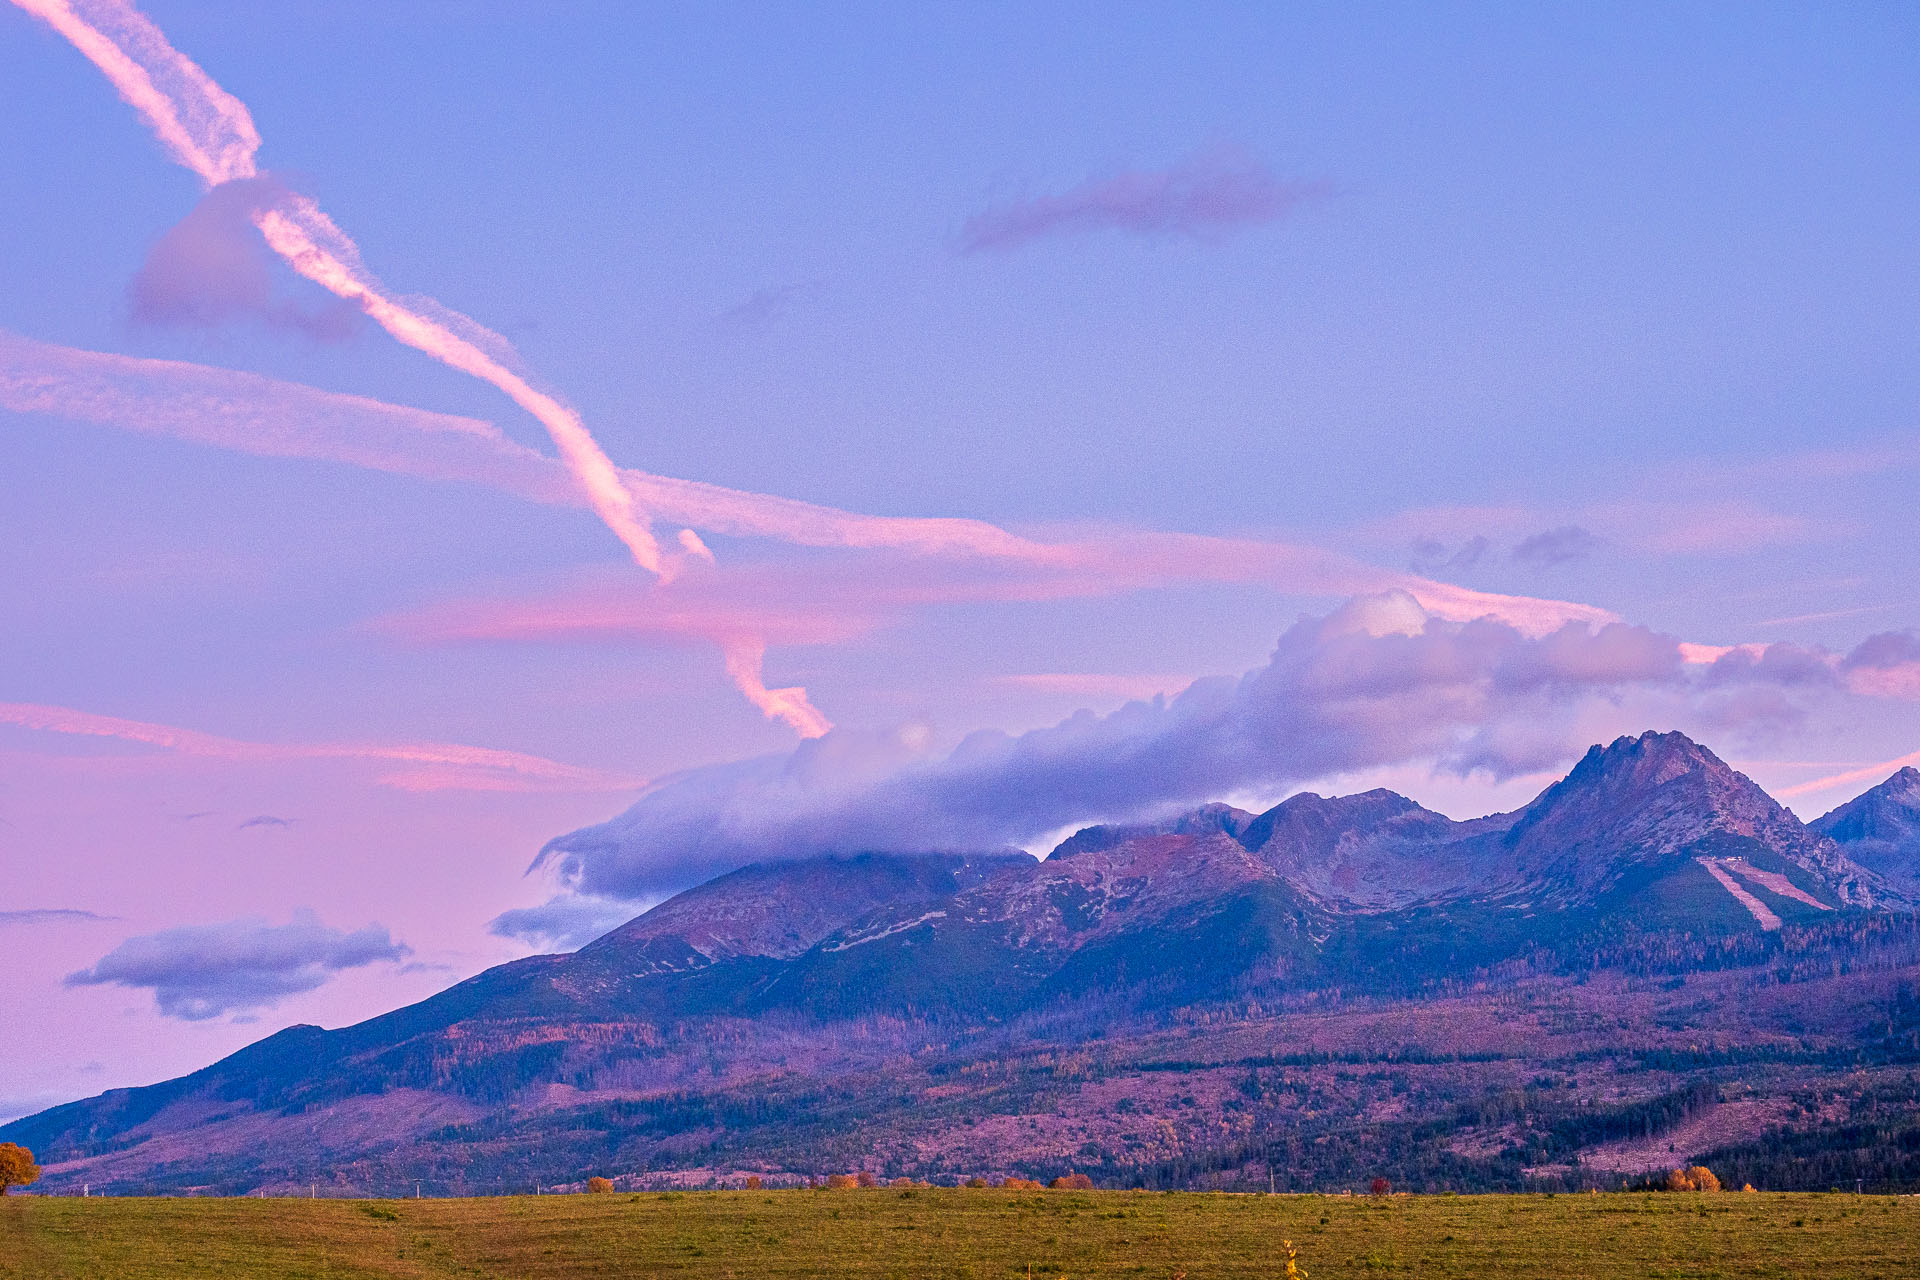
(690, 435)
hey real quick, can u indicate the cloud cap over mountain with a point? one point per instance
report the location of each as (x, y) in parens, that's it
(1377, 682)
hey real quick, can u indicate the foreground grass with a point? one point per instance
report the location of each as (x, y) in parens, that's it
(950, 1233)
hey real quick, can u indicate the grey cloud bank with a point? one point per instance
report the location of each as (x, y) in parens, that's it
(202, 971)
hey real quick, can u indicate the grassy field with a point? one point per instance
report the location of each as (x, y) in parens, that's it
(954, 1233)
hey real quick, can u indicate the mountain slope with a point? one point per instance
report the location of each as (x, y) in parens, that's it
(775, 1011)
(1657, 826)
(1880, 829)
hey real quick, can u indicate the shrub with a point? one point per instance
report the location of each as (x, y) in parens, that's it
(1021, 1184)
(753, 1182)
(841, 1181)
(977, 1182)
(1072, 1182)
(1380, 1186)
(1693, 1178)
(902, 1182)
(17, 1168)
(866, 1179)
(599, 1186)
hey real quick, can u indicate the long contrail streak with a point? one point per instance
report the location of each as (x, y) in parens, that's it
(251, 413)
(208, 130)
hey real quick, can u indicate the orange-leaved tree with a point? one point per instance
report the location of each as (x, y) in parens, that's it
(599, 1186)
(17, 1168)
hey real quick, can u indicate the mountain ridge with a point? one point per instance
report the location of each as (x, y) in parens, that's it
(803, 980)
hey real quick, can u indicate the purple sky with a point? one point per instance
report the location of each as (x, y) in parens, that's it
(424, 428)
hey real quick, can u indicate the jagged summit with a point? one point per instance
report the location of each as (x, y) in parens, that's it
(1374, 851)
(1662, 800)
(1206, 820)
(1880, 829)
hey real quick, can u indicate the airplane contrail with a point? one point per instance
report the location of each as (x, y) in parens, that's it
(254, 414)
(208, 130)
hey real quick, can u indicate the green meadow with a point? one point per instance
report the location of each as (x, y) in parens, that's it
(993, 1234)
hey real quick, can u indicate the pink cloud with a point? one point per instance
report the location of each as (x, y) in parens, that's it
(211, 268)
(1874, 773)
(1203, 197)
(430, 766)
(968, 559)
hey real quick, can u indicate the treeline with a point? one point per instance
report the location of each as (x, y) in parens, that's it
(1876, 1148)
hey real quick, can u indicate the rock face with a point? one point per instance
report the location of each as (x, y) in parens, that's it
(1647, 805)
(778, 911)
(1880, 830)
(790, 978)
(1377, 851)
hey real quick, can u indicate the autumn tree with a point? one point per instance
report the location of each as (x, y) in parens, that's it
(866, 1178)
(753, 1182)
(1380, 1187)
(17, 1168)
(599, 1186)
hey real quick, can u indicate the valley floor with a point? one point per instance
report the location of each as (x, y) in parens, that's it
(987, 1234)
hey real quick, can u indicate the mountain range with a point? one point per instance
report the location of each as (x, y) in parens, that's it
(1652, 959)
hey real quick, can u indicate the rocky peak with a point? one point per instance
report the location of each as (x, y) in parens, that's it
(1208, 819)
(1654, 797)
(1315, 819)
(1880, 828)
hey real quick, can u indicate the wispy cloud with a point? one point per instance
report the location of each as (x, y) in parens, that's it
(427, 766)
(1431, 556)
(266, 821)
(564, 922)
(1204, 197)
(1554, 547)
(1873, 773)
(52, 915)
(198, 972)
(764, 306)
